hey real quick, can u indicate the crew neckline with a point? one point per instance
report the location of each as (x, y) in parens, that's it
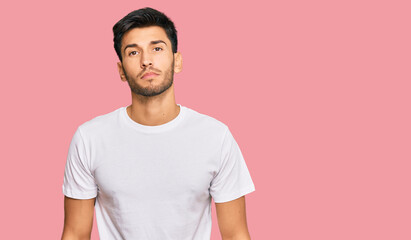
(153, 129)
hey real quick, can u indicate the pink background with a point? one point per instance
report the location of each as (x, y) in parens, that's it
(316, 93)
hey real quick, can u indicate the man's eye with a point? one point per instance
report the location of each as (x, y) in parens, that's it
(157, 49)
(132, 53)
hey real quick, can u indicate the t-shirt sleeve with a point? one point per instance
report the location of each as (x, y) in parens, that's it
(78, 180)
(233, 179)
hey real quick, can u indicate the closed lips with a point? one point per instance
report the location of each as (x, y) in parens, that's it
(150, 74)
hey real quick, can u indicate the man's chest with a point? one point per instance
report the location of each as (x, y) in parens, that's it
(148, 170)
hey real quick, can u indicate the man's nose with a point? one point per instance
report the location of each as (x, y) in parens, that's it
(146, 60)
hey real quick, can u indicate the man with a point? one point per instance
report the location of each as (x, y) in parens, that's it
(151, 168)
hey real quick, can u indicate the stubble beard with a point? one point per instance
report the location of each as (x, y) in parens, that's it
(151, 91)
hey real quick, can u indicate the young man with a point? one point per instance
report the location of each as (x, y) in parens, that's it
(151, 168)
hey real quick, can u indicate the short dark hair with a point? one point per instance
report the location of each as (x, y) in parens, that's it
(144, 17)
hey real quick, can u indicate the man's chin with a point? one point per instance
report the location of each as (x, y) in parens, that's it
(150, 91)
(147, 92)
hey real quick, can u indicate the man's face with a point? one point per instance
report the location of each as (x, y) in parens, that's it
(148, 61)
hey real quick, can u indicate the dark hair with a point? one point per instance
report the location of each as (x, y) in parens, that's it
(144, 17)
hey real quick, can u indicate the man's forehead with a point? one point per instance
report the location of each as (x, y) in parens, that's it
(144, 35)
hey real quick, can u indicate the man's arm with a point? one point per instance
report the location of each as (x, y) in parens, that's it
(78, 218)
(232, 219)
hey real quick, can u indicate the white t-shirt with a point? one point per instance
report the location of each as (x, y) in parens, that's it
(155, 182)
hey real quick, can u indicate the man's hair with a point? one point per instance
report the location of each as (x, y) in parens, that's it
(144, 17)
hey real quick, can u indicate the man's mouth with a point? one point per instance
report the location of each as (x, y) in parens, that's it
(149, 75)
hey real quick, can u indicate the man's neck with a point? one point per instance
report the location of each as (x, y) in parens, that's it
(152, 111)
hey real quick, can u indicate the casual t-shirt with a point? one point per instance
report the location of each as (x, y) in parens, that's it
(155, 182)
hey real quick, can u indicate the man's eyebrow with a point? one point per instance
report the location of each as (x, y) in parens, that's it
(130, 45)
(158, 41)
(151, 43)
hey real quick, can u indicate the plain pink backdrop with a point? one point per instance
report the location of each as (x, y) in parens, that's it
(316, 93)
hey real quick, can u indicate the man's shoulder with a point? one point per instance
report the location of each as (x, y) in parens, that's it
(205, 121)
(101, 121)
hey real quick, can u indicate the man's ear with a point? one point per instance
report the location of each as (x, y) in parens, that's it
(121, 71)
(178, 62)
